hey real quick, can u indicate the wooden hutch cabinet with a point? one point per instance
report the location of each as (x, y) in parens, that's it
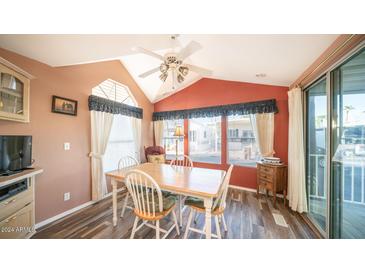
(272, 178)
(14, 92)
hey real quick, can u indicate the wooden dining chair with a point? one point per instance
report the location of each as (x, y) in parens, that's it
(219, 204)
(149, 203)
(183, 161)
(124, 162)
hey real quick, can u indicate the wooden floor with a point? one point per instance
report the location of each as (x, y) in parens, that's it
(246, 217)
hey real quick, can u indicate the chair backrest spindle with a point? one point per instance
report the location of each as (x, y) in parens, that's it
(185, 161)
(145, 192)
(127, 161)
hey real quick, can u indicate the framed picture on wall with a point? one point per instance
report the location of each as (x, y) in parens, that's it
(64, 105)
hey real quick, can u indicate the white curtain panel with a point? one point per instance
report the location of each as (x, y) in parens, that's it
(296, 165)
(158, 129)
(263, 128)
(101, 124)
(137, 136)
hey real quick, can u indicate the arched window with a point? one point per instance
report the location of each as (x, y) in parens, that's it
(121, 141)
(112, 90)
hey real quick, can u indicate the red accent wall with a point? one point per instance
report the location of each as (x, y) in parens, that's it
(211, 92)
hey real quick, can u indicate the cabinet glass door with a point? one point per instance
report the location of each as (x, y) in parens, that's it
(14, 94)
(11, 94)
(348, 149)
(316, 129)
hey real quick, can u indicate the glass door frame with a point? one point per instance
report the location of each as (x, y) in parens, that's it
(337, 192)
(325, 77)
(331, 125)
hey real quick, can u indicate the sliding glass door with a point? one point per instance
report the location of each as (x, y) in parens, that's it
(335, 157)
(316, 153)
(348, 149)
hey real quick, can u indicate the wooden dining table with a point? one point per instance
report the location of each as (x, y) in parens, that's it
(196, 182)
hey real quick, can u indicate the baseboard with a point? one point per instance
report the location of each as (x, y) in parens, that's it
(68, 212)
(63, 214)
(251, 190)
(242, 188)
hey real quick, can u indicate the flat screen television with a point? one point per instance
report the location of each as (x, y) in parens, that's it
(15, 153)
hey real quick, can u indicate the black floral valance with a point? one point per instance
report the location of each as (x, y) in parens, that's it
(101, 104)
(266, 106)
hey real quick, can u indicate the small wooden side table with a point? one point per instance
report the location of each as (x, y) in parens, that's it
(272, 177)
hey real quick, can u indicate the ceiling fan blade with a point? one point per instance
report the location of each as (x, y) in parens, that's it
(191, 48)
(148, 52)
(199, 70)
(149, 72)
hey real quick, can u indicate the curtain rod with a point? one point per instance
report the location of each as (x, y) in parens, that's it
(325, 60)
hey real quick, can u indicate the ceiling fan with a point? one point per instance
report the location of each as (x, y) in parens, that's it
(173, 62)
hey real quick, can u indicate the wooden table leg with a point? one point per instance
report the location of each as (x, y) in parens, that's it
(115, 205)
(208, 217)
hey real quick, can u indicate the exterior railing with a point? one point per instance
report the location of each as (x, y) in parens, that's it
(348, 182)
(355, 171)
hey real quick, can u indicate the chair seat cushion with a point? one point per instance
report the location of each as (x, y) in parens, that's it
(198, 203)
(168, 202)
(167, 205)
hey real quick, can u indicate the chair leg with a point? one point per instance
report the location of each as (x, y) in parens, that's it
(188, 224)
(175, 221)
(124, 204)
(134, 227)
(217, 227)
(224, 223)
(180, 210)
(158, 229)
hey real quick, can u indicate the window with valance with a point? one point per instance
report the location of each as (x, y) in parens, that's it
(243, 128)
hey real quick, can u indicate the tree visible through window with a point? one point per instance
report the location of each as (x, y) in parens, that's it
(121, 141)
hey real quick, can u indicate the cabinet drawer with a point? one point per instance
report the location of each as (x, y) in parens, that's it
(267, 170)
(18, 225)
(266, 184)
(266, 176)
(13, 204)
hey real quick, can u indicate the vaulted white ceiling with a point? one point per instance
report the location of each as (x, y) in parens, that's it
(282, 58)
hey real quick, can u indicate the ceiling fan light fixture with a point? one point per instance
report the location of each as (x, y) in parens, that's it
(184, 70)
(173, 63)
(180, 78)
(164, 68)
(163, 76)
